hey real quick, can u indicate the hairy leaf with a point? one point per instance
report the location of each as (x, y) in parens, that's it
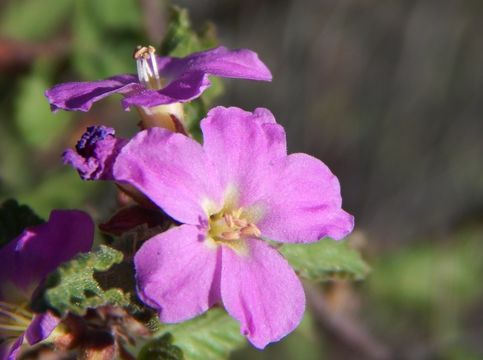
(161, 349)
(325, 260)
(14, 218)
(212, 335)
(72, 286)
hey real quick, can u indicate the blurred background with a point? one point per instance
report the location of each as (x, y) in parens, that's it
(388, 94)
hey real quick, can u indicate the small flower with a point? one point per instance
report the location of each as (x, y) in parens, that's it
(161, 81)
(95, 153)
(230, 194)
(24, 264)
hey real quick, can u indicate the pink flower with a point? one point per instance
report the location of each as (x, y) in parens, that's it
(231, 194)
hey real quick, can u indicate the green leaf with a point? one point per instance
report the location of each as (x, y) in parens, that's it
(33, 19)
(14, 218)
(212, 335)
(161, 349)
(72, 287)
(325, 259)
(38, 127)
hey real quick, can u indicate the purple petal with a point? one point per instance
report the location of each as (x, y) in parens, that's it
(173, 171)
(304, 204)
(184, 88)
(9, 351)
(177, 274)
(41, 327)
(81, 95)
(95, 153)
(262, 292)
(247, 148)
(220, 61)
(26, 260)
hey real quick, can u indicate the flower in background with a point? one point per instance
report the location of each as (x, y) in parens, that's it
(230, 194)
(161, 81)
(24, 264)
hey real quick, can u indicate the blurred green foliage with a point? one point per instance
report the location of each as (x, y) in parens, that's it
(429, 292)
(34, 20)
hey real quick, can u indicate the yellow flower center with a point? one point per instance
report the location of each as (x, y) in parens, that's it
(231, 228)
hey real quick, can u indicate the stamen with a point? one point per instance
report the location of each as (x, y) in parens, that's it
(147, 66)
(251, 230)
(240, 222)
(229, 220)
(14, 320)
(230, 235)
(230, 228)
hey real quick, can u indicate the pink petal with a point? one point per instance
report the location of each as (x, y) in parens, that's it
(41, 327)
(304, 204)
(79, 96)
(246, 147)
(182, 89)
(220, 61)
(39, 250)
(10, 349)
(262, 292)
(177, 274)
(172, 170)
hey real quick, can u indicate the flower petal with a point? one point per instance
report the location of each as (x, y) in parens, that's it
(246, 147)
(304, 204)
(9, 349)
(25, 261)
(41, 327)
(172, 170)
(220, 61)
(184, 88)
(79, 96)
(262, 292)
(178, 274)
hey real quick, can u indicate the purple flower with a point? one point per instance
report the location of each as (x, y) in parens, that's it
(237, 190)
(24, 264)
(161, 80)
(95, 153)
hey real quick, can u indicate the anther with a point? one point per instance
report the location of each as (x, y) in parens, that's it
(229, 220)
(251, 230)
(230, 235)
(240, 222)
